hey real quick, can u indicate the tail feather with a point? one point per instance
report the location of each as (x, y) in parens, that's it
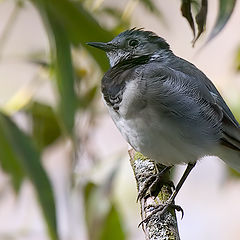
(230, 141)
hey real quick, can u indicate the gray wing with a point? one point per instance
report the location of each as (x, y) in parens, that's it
(229, 124)
(187, 97)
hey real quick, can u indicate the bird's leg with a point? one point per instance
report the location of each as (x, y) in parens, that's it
(154, 184)
(170, 202)
(182, 180)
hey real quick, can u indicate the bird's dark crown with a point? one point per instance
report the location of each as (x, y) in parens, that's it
(140, 35)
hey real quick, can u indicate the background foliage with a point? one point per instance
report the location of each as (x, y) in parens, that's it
(69, 25)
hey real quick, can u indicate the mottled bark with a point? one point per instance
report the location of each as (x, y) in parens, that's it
(158, 227)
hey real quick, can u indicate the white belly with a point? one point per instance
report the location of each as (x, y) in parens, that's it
(155, 138)
(149, 133)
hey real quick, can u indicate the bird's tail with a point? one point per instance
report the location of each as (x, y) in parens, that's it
(230, 144)
(230, 157)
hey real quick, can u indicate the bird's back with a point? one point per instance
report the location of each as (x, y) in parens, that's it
(200, 109)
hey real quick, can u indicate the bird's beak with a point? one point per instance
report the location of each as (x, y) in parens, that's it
(103, 46)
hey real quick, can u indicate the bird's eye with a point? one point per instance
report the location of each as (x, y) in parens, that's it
(133, 42)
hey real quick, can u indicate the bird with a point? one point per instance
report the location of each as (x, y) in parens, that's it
(164, 106)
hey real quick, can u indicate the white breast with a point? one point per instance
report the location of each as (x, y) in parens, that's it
(149, 133)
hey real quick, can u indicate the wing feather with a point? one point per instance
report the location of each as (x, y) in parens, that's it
(186, 94)
(230, 126)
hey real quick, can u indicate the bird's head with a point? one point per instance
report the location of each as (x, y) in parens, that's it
(130, 44)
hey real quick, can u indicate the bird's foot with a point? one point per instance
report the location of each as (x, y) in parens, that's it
(161, 210)
(153, 184)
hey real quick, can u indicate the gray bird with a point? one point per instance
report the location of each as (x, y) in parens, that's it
(164, 106)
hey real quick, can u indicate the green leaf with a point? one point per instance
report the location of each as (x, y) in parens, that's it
(112, 11)
(62, 60)
(226, 8)
(232, 173)
(237, 60)
(45, 126)
(112, 227)
(88, 97)
(9, 161)
(62, 63)
(67, 20)
(152, 7)
(101, 214)
(89, 193)
(94, 214)
(78, 24)
(187, 13)
(14, 144)
(201, 19)
(77, 21)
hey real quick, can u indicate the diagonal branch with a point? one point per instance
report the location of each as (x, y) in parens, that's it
(158, 227)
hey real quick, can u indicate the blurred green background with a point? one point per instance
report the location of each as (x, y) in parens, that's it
(64, 167)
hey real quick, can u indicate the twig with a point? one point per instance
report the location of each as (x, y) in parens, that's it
(158, 227)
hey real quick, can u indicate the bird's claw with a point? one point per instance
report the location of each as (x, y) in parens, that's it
(161, 210)
(146, 186)
(153, 184)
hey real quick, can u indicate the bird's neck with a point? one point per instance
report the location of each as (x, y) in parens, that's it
(115, 57)
(162, 55)
(132, 62)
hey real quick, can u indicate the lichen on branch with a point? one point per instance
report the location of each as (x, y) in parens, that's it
(159, 227)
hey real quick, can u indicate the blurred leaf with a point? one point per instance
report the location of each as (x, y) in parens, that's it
(80, 73)
(89, 190)
(112, 11)
(69, 20)
(62, 62)
(94, 214)
(77, 21)
(9, 160)
(195, 4)
(6, 31)
(121, 23)
(88, 97)
(237, 60)
(15, 144)
(150, 5)
(233, 173)
(235, 109)
(128, 10)
(187, 13)
(79, 25)
(224, 13)
(201, 19)
(101, 215)
(45, 126)
(64, 74)
(42, 63)
(112, 228)
(122, 26)
(19, 100)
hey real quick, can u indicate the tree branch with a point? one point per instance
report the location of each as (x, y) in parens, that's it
(158, 227)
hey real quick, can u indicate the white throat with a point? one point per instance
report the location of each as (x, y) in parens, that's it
(116, 56)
